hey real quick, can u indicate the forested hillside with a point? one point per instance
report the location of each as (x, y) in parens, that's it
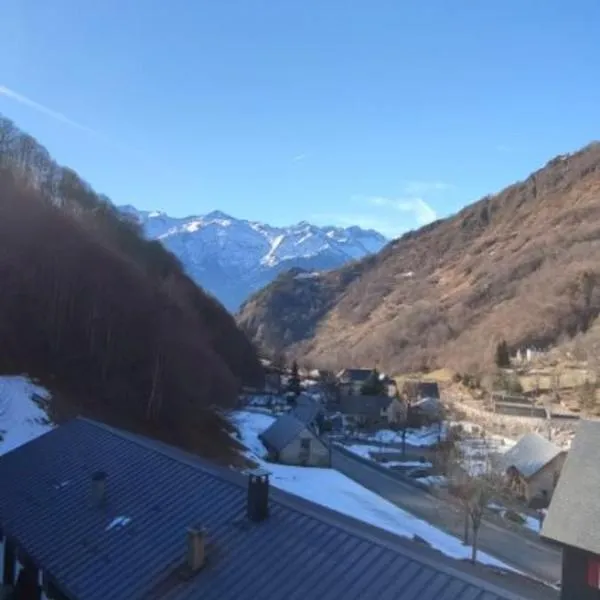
(106, 320)
(522, 265)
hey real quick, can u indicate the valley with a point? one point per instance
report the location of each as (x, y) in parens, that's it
(234, 258)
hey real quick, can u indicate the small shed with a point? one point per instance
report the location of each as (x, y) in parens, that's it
(572, 520)
(414, 390)
(533, 466)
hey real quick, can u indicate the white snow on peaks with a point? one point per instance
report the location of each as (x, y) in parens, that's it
(270, 245)
(233, 258)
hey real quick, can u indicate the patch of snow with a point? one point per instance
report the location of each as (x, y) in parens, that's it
(62, 484)
(250, 426)
(118, 523)
(333, 490)
(426, 436)
(21, 419)
(532, 523)
(408, 464)
(434, 480)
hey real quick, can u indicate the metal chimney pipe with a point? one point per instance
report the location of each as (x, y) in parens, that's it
(258, 494)
(99, 488)
(196, 547)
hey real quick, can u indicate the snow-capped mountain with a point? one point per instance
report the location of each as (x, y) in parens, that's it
(231, 258)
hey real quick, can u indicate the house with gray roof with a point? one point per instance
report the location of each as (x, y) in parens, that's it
(294, 439)
(351, 381)
(367, 411)
(533, 466)
(89, 512)
(414, 390)
(573, 519)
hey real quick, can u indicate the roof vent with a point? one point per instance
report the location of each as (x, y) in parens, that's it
(196, 547)
(99, 488)
(258, 494)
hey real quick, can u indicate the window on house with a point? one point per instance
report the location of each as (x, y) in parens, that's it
(305, 444)
(593, 572)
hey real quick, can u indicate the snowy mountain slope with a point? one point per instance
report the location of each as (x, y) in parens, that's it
(231, 258)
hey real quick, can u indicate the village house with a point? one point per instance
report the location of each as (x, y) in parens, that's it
(294, 439)
(533, 466)
(572, 519)
(89, 512)
(351, 381)
(414, 391)
(372, 411)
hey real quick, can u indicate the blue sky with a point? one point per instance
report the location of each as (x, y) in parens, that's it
(381, 113)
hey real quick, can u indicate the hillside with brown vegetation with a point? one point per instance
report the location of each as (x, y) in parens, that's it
(522, 265)
(106, 320)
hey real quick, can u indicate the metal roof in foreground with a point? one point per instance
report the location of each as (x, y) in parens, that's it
(132, 547)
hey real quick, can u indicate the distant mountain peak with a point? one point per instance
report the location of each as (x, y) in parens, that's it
(219, 215)
(233, 258)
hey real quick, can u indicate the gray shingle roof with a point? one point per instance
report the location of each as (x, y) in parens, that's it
(421, 389)
(356, 375)
(288, 426)
(307, 409)
(429, 389)
(301, 551)
(281, 432)
(530, 454)
(573, 514)
(367, 406)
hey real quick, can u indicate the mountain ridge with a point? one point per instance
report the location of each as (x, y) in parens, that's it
(233, 257)
(520, 264)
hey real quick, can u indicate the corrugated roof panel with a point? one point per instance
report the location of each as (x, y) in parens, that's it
(155, 493)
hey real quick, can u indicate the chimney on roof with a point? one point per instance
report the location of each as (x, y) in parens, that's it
(258, 494)
(196, 547)
(99, 488)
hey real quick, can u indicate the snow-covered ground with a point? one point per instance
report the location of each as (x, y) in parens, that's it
(426, 436)
(337, 492)
(532, 523)
(479, 449)
(370, 452)
(21, 420)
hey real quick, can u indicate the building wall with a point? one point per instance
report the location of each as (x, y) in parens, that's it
(396, 412)
(351, 388)
(17, 568)
(546, 479)
(294, 454)
(574, 585)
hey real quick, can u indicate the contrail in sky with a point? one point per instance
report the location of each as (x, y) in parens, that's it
(53, 114)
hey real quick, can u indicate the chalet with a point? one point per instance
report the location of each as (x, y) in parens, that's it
(89, 512)
(293, 438)
(533, 466)
(351, 381)
(368, 411)
(414, 391)
(572, 519)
